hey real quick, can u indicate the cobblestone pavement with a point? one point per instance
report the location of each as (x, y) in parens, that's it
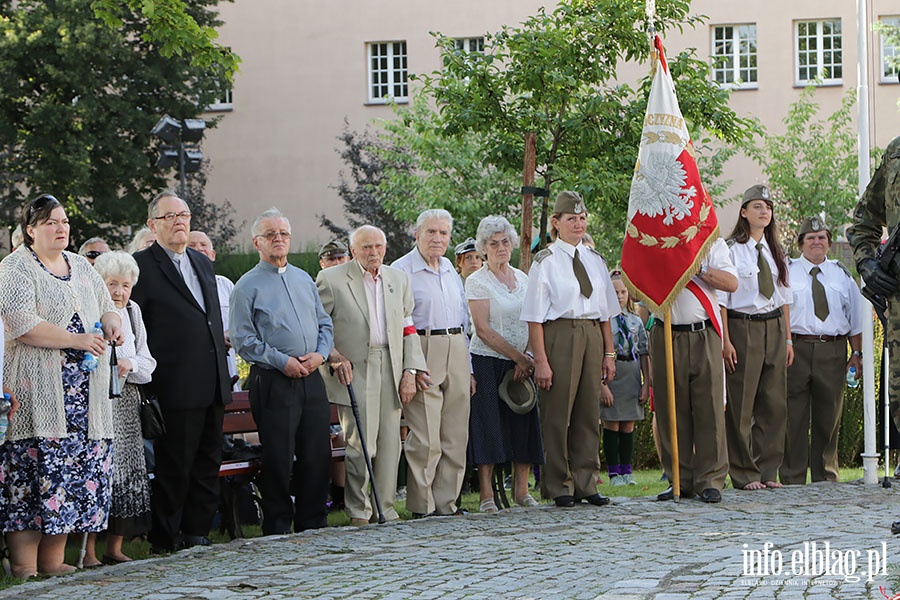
(636, 548)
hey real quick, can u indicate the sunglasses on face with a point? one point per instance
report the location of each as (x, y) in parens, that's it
(93, 254)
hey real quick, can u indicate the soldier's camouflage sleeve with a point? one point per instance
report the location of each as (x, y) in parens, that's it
(865, 233)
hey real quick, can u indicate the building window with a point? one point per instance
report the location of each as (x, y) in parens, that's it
(387, 72)
(224, 102)
(819, 52)
(475, 44)
(734, 55)
(889, 51)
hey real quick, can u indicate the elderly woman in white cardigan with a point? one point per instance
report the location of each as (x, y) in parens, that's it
(129, 515)
(56, 462)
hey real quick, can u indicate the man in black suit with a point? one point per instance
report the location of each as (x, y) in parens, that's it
(177, 292)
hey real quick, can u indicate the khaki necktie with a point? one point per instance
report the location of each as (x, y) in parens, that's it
(766, 285)
(581, 275)
(820, 302)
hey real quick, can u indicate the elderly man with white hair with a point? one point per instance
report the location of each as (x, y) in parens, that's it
(278, 325)
(438, 415)
(377, 349)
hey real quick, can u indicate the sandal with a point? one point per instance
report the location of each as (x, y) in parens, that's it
(527, 501)
(487, 506)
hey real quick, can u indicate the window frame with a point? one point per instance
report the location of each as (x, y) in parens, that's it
(819, 51)
(893, 20)
(466, 43)
(391, 72)
(735, 57)
(225, 103)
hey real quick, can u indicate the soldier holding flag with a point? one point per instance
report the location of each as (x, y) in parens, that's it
(674, 260)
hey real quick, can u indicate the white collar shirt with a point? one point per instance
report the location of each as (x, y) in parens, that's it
(553, 292)
(374, 285)
(747, 298)
(841, 291)
(687, 309)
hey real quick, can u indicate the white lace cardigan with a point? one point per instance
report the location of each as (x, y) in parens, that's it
(28, 296)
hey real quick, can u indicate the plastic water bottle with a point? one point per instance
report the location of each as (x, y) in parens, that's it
(5, 407)
(90, 362)
(852, 381)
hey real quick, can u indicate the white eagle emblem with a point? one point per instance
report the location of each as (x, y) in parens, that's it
(658, 189)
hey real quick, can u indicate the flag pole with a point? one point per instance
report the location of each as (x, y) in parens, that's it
(670, 403)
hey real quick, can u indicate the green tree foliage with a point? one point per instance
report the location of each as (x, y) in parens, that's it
(812, 166)
(175, 27)
(360, 189)
(556, 75)
(215, 220)
(77, 102)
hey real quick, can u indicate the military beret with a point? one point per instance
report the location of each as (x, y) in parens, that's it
(333, 249)
(570, 203)
(756, 192)
(811, 224)
(465, 247)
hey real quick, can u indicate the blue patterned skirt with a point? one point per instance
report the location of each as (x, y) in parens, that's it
(58, 485)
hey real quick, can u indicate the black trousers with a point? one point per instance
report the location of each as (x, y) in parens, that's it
(185, 489)
(293, 419)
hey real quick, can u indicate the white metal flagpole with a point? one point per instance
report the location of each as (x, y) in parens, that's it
(870, 453)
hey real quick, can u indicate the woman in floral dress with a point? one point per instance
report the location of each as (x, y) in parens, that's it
(56, 462)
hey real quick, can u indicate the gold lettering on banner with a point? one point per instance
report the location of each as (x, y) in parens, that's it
(664, 120)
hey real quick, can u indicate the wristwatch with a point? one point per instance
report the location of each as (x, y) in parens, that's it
(412, 371)
(702, 270)
(857, 353)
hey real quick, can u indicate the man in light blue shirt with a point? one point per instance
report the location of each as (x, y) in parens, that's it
(438, 415)
(278, 325)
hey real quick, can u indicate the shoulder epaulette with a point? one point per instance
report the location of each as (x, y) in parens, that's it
(844, 268)
(731, 242)
(542, 255)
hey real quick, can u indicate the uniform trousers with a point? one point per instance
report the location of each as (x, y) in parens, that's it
(815, 386)
(379, 412)
(699, 407)
(185, 486)
(293, 418)
(438, 421)
(757, 400)
(570, 409)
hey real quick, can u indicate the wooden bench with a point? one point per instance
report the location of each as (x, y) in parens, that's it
(238, 419)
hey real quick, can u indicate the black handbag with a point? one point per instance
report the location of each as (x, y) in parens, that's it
(153, 426)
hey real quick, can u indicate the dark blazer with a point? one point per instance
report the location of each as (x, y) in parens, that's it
(188, 344)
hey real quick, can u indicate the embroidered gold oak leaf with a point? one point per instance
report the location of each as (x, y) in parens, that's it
(632, 230)
(648, 240)
(670, 242)
(690, 233)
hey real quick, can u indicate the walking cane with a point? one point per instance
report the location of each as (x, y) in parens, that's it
(362, 440)
(886, 482)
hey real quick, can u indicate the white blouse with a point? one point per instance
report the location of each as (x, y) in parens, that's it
(505, 309)
(135, 346)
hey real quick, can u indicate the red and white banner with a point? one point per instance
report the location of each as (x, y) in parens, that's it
(671, 219)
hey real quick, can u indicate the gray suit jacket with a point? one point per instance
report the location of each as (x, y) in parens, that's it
(343, 295)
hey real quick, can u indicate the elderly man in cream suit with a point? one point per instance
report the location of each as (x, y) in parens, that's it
(377, 350)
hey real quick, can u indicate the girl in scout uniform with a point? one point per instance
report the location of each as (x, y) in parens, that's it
(756, 346)
(622, 400)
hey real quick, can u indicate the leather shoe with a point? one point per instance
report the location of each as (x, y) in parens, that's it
(354, 522)
(596, 500)
(416, 515)
(565, 501)
(190, 541)
(670, 495)
(711, 496)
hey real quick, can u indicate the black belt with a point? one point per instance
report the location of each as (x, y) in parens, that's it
(819, 338)
(451, 331)
(689, 327)
(733, 314)
(624, 357)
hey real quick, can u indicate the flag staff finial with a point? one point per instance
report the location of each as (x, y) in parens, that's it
(650, 9)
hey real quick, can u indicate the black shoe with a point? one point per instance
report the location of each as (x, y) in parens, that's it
(669, 495)
(154, 549)
(190, 541)
(895, 527)
(595, 499)
(565, 501)
(711, 496)
(416, 515)
(459, 513)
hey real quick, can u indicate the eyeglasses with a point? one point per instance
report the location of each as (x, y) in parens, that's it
(170, 217)
(505, 242)
(271, 235)
(93, 254)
